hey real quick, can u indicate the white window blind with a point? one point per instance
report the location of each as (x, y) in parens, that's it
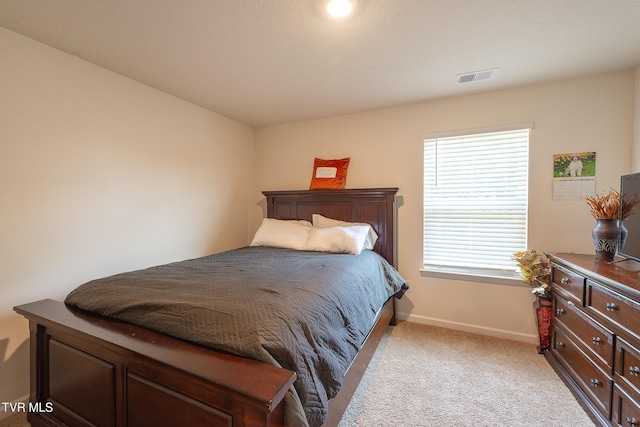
(475, 202)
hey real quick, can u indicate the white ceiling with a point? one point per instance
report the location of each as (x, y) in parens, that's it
(264, 62)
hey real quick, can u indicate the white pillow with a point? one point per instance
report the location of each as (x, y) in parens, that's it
(342, 240)
(282, 233)
(297, 221)
(324, 222)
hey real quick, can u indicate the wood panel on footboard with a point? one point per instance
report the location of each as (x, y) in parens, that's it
(86, 370)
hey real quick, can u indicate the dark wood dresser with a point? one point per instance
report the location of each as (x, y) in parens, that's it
(595, 342)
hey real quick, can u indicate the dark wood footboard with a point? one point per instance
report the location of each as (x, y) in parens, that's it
(89, 370)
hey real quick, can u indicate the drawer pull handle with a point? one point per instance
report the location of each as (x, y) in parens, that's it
(559, 344)
(631, 421)
(634, 370)
(596, 340)
(560, 312)
(594, 382)
(564, 280)
(610, 306)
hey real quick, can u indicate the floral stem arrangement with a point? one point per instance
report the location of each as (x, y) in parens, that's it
(610, 210)
(607, 205)
(535, 270)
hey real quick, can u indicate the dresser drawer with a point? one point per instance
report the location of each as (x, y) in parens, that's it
(594, 336)
(618, 308)
(570, 282)
(625, 410)
(628, 364)
(590, 378)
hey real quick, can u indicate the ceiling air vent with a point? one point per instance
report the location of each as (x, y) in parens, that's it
(475, 76)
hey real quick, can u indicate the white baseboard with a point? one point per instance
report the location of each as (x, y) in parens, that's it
(6, 414)
(474, 329)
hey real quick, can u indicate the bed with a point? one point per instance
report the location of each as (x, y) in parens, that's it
(89, 369)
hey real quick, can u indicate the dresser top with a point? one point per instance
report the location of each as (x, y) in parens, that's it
(624, 275)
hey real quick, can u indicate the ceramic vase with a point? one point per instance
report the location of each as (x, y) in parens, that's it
(623, 235)
(606, 234)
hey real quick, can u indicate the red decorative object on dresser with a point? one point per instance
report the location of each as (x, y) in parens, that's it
(595, 344)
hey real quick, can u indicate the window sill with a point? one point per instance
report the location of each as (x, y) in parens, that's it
(471, 276)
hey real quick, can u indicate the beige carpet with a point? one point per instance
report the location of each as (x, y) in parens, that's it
(17, 420)
(427, 376)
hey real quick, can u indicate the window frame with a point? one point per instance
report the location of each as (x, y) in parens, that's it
(469, 273)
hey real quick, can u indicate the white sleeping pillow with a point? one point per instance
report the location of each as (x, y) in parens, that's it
(324, 222)
(341, 240)
(297, 221)
(282, 233)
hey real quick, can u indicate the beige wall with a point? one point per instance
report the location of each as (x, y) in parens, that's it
(98, 175)
(385, 146)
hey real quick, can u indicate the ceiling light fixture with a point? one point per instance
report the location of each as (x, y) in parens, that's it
(340, 8)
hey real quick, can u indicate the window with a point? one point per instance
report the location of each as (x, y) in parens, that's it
(475, 202)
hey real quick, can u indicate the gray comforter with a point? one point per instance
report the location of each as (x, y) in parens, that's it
(304, 311)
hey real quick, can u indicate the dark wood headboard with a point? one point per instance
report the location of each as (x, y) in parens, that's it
(374, 206)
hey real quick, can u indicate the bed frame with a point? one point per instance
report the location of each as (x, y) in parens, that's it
(90, 370)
